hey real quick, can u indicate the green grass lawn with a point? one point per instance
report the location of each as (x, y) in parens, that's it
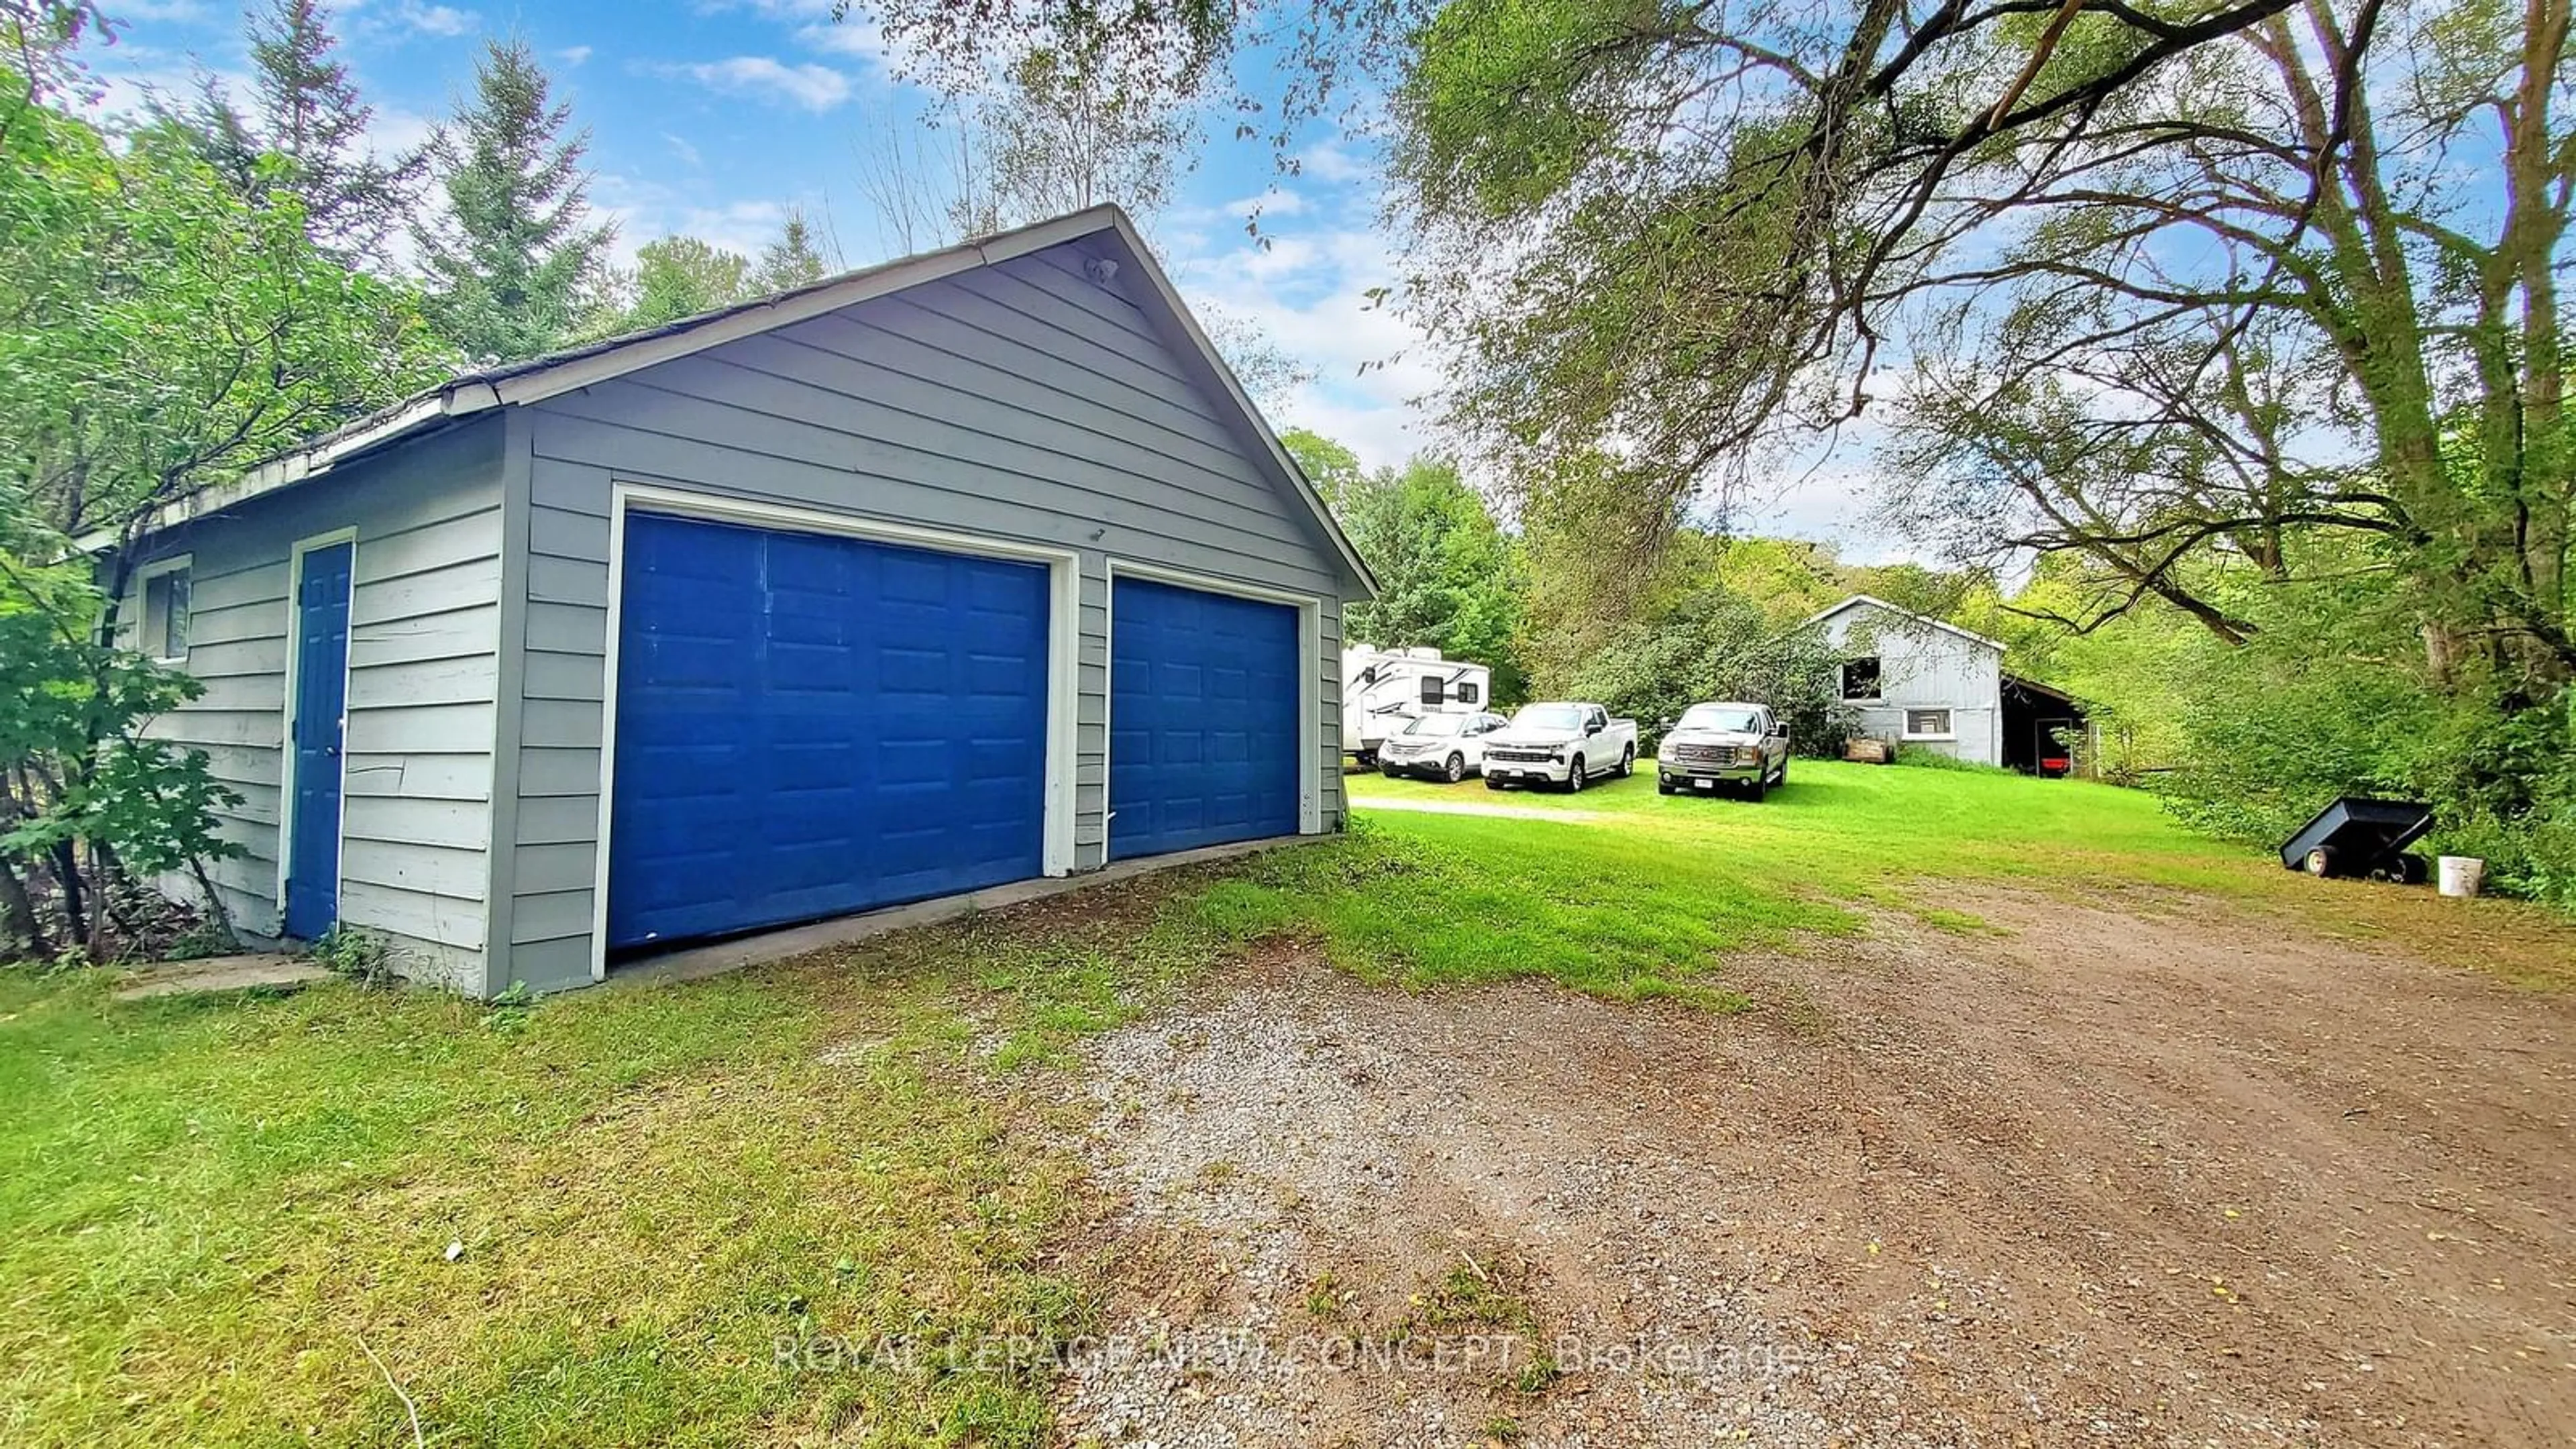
(231, 1221)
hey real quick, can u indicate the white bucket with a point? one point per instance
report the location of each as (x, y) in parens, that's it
(2462, 875)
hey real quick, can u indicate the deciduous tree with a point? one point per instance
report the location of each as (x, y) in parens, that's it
(158, 334)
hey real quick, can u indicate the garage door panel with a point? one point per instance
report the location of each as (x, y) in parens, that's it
(1204, 708)
(809, 725)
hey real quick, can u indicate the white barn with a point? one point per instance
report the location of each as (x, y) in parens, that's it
(1919, 681)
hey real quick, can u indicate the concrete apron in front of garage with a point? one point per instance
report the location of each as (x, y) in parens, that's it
(691, 963)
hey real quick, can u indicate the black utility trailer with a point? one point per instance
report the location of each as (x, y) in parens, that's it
(2360, 836)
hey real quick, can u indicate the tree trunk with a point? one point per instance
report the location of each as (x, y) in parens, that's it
(215, 909)
(67, 879)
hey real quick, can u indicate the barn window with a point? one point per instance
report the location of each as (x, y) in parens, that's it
(1928, 724)
(1860, 677)
(1434, 689)
(165, 611)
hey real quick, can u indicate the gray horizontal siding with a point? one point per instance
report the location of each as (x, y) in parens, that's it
(423, 679)
(1922, 667)
(1019, 402)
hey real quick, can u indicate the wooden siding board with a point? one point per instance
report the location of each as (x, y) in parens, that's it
(561, 723)
(394, 819)
(564, 533)
(550, 675)
(559, 866)
(437, 870)
(254, 658)
(449, 542)
(427, 729)
(563, 628)
(561, 580)
(558, 819)
(545, 771)
(419, 777)
(551, 916)
(470, 680)
(443, 920)
(423, 593)
(467, 633)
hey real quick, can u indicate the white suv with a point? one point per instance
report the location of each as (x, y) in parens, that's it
(1442, 746)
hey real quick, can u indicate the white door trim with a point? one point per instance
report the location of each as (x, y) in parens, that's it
(295, 553)
(1064, 626)
(1310, 698)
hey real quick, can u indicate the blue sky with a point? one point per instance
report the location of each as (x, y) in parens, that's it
(715, 118)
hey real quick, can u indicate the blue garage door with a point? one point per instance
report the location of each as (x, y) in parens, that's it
(1203, 692)
(809, 725)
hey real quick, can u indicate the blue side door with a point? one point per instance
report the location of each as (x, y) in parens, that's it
(321, 706)
(811, 725)
(1203, 692)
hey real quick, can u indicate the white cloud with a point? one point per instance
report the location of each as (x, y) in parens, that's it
(740, 227)
(683, 150)
(855, 36)
(814, 87)
(1269, 203)
(1332, 161)
(1307, 293)
(440, 20)
(393, 130)
(648, 209)
(574, 55)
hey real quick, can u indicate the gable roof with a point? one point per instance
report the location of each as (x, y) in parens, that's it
(1927, 620)
(515, 384)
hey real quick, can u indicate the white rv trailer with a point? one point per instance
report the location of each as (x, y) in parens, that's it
(1383, 689)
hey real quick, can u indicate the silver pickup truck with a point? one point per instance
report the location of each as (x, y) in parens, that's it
(1723, 746)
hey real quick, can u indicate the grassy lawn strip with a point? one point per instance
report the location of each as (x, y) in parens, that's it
(211, 1212)
(1901, 839)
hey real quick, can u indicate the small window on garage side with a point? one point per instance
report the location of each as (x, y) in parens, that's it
(1434, 689)
(1928, 724)
(1860, 678)
(165, 612)
(1468, 693)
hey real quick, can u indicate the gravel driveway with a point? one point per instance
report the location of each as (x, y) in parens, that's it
(2106, 1178)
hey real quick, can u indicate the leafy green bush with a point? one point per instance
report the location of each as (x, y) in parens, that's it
(1930, 759)
(2332, 697)
(358, 955)
(90, 804)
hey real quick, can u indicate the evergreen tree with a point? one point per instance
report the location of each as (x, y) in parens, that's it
(215, 129)
(510, 264)
(791, 261)
(310, 118)
(310, 114)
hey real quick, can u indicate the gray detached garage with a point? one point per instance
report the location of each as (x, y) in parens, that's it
(968, 569)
